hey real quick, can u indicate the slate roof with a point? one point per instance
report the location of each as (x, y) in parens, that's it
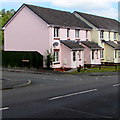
(72, 44)
(91, 45)
(57, 17)
(101, 22)
(113, 44)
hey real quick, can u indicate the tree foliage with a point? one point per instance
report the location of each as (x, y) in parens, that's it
(5, 15)
(49, 58)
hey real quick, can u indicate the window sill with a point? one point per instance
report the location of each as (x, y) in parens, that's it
(56, 38)
(77, 38)
(56, 63)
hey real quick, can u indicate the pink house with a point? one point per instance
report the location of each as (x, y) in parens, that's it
(34, 28)
(92, 53)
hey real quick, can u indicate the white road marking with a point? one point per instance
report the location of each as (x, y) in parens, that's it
(63, 96)
(5, 108)
(116, 85)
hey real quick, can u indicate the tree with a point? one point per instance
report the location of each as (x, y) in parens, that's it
(5, 15)
(49, 58)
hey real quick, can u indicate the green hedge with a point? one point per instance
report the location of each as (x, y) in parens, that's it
(15, 59)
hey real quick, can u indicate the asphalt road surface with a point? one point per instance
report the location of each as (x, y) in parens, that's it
(62, 96)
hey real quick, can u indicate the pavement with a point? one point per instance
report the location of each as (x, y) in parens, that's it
(10, 84)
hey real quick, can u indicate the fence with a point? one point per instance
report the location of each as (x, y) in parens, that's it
(22, 59)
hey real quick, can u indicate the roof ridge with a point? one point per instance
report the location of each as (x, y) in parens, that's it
(47, 8)
(96, 15)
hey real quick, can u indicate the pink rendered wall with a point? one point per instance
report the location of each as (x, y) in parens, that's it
(66, 56)
(87, 57)
(83, 35)
(63, 34)
(27, 32)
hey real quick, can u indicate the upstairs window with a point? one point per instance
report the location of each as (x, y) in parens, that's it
(77, 33)
(109, 35)
(115, 36)
(56, 32)
(74, 56)
(102, 34)
(68, 32)
(86, 34)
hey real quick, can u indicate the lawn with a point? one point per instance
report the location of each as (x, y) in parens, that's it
(97, 69)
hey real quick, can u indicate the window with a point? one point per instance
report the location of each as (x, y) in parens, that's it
(109, 35)
(79, 54)
(86, 33)
(114, 36)
(74, 56)
(118, 54)
(93, 54)
(102, 53)
(56, 32)
(56, 56)
(101, 34)
(97, 54)
(68, 32)
(115, 54)
(77, 33)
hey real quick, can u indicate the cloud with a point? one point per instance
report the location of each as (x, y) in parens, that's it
(110, 13)
(99, 7)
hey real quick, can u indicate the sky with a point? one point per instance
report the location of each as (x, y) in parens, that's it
(105, 8)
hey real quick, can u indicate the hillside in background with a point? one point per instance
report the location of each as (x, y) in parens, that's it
(5, 15)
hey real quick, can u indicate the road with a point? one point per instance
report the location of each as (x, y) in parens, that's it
(61, 96)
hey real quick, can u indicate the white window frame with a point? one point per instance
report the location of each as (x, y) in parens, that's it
(102, 54)
(68, 32)
(56, 56)
(77, 33)
(101, 34)
(97, 54)
(115, 35)
(74, 56)
(118, 54)
(56, 32)
(86, 34)
(93, 54)
(115, 53)
(79, 55)
(109, 35)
